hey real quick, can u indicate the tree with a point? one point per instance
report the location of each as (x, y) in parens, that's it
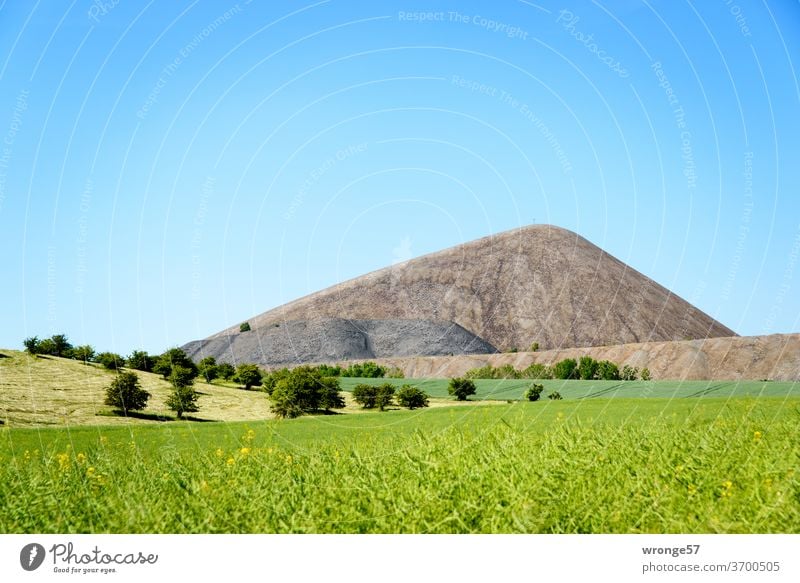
(173, 357)
(554, 396)
(645, 374)
(587, 368)
(140, 360)
(271, 379)
(248, 375)
(303, 390)
(365, 395)
(565, 369)
(183, 398)
(47, 346)
(534, 392)
(244, 327)
(507, 371)
(537, 371)
(84, 353)
(412, 397)
(534, 347)
(395, 373)
(461, 388)
(110, 360)
(61, 346)
(31, 345)
(225, 370)
(629, 373)
(125, 394)
(607, 371)
(367, 369)
(207, 368)
(384, 396)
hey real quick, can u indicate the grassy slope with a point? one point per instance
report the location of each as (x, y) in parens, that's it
(512, 389)
(711, 465)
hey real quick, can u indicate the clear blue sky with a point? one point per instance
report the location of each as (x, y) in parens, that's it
(169, 169)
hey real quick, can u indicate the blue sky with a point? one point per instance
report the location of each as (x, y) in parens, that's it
(169, 169)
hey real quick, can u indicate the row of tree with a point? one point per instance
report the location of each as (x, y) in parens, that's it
(382, 396)
(587, 368)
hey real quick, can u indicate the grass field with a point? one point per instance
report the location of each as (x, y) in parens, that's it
(622, 465)
(513, 389)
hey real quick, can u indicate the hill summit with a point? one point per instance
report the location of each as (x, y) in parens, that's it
(540, 283)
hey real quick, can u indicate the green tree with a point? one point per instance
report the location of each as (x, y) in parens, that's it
(587, 368)
(537, 371)
(645, 374)
(173, 357)
(271, 379)
(329, 393)
(61, 346)
(183, 398)
(365, 395)
(244, 327)
(225, 370)
(31, 345)
(208, 369)
(534, 392)
(125, 394)
(555, 396)
(84, 353)
(607, 371)
(506, 371)
(565, 369)
(411, 397)
(461, 388)
(629, 373)
(248, 375)
(110, 360)
(303, 390)
(384, 396)
(47, 346)
(140, 360)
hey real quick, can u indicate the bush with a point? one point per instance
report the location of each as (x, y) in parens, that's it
(370, 370)
(303, 390)
(412, 397)
(537, 371)
(461, 388)
(248, 375)
(587, 368)
(534, 347)
(645, 374)
(140, 360)
(125, 394)
(395, 373)
(565, 369)
(207, 368)
(534, 392)
(110, 360)
(326, 370)
(555, 396)
(31, 345)
(484, 372)
(244, 327)
(83, 353)
(225, 371)
(607, 371)
(629, 373)
(507, 371)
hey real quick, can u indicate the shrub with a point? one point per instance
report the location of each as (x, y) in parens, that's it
(534, 392)
(110, 360)
(248, 375)
(565, 369)
(645, 374)
(83, 353)
(327, 370)
(225, 370)
(484, 372)
(370, 370)
(537, 371)
(412, 397)
(587, 368)
(244, 327)
(629, 373)
(507, 371)
(183, 398)
(607, 371)
(461, 388)
(125, 394)
(395, 373)
(140, 360)
(207, 368)
(555, 396)
(303, 390)
(534, 347)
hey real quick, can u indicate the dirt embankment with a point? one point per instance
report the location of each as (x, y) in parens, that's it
(775, 357)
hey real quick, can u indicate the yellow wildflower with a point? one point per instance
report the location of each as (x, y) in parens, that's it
(220, 453)
(288, 459)
(63, 461)
(103, 439)
(81, 457)
(244, 451)
(756, 436)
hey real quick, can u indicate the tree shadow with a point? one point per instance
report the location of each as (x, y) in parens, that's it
(136, 415)
(197, 419)
(4, 355)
